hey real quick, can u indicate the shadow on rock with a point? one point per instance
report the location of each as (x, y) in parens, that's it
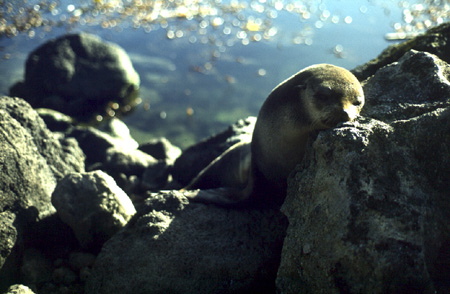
(173, 246)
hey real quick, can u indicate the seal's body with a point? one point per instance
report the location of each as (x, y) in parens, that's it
(316, 98)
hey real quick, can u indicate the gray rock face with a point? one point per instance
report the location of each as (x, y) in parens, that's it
(32, 159)
(8, 235)
(79, 75)
(93, 206)
(368, 206)
(173, 246)
(416, 84)
(62, 156)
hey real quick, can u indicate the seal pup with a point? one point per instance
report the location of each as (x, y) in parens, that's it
(316, 98)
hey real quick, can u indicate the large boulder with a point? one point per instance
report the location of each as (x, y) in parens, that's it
(80, 75)
(32, 159)
(368, 206)
(173, 246)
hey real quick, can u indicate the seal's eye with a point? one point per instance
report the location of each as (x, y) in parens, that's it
(357, 103)
(323, 94)
(321, 97)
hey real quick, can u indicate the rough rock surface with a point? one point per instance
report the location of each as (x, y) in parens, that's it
(19, 289)
(8, 235)
(197, 157)
(368, 206)
(62, 156)
(93, 206)
(32, 159)
(173, 246)
(435, 41)
(79, 75)
(416, 84)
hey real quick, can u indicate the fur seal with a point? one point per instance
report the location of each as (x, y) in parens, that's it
(316, 98)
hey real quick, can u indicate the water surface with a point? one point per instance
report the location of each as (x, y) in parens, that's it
(195, 83)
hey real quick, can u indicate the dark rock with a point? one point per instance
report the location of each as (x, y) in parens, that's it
(80, 75)
(85, 273)
(197, 157)
(80, 260)
(64, 275)
(93, 206)
(96, 142)
(435, 41)
(127, 161)
(174, 246)
(368, 206)
(55, 120)
(8, 235)
(155, 176)
(161, 149)
(36, 269)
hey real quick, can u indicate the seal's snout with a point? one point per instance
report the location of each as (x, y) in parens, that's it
(344, 115)
(336, 117)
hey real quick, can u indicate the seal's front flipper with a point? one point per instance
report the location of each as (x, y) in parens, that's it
(230, 169)
(226, 196)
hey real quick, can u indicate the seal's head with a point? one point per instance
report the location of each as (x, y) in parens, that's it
(331, 95)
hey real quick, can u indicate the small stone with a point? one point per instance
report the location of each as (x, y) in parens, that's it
(161, 149)
(79, 260)
(64, 275)
(85, 273)
(36, 268)
(93, 206)
(19, 289)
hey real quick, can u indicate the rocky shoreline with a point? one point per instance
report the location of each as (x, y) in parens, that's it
(82, 211)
